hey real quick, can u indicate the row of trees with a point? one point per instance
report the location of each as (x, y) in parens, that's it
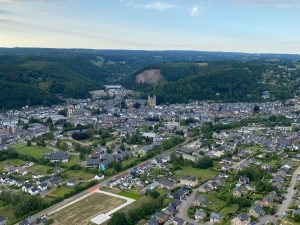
(135, 215)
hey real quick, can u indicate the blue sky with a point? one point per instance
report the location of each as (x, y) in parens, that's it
(214, 25)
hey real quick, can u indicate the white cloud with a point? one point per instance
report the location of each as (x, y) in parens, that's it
(194, 11)
(162, 6)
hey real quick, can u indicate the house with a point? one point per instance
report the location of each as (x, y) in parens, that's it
(170, 210)
(244, 180)
(152, 221)
(71, 183)
(215, 217)
(166, 183)
(181, 193)
(201, 200)
(53, 157)
(177, 205)
(256, 211)
(34, 191)
(178, 221)
(43, 186)
(241, 219)
(161, 217)
(58, 170)
(189, 181)
(28, 221)
(205, 188)
(240, 191)
(99, 176)
(200, 214)
(267, 202)
(2, 221)
(27, 186)
(277, 185)
(273, 195)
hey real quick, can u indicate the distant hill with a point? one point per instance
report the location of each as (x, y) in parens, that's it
(227, 81)
(33, 76)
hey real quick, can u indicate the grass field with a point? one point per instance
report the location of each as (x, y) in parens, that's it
(130, 194)
(228, 210)
(73, 160)
(203, 174)
(57, 193)
(213, 203)
(34, 151)
(11, 162)
(42, 169)
(81, 212)
(78, 174)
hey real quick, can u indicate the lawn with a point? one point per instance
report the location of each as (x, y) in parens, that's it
(203, 174)
(213, 203)
(81, 212)
(57, 193)
(128, 162)
(228, 210)
(73, 160)
(11, 162)
(130, 194)
(34, 151)
(78, 174)
(41, 169)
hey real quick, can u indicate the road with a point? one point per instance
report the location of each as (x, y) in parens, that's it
(183, 214)
(284, 207)
(103, 183)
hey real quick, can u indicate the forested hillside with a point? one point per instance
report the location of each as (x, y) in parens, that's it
(222, 81)
(43, 76)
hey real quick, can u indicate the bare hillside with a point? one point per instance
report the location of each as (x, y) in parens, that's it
(151, 76)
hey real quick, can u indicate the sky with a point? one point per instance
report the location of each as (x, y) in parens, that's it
(257, 26)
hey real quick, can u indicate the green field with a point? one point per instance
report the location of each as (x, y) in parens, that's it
(41, 169)
(213, 203)
(57, 193)
(34, 151)
(11, 162)
(130, 194)
(203, 174)
(78, 174)
(73, 160)
(228, 210)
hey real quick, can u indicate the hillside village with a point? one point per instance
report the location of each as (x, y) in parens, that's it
(211, 163)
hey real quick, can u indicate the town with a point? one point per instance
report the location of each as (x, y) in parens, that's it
(113, 157)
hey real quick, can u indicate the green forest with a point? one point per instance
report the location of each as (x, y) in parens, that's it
(46, 76)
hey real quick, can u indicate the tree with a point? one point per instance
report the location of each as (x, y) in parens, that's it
(118, 218)
(154, 194)
(136, 105)
(28, 143)
(204, 163)
(256, 109)
(63, 146)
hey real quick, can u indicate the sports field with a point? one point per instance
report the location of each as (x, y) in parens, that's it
(81, 212)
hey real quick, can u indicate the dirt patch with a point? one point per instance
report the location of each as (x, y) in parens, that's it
(81, 212)
(152, 76)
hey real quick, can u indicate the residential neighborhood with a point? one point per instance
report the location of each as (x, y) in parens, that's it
(209, 163)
